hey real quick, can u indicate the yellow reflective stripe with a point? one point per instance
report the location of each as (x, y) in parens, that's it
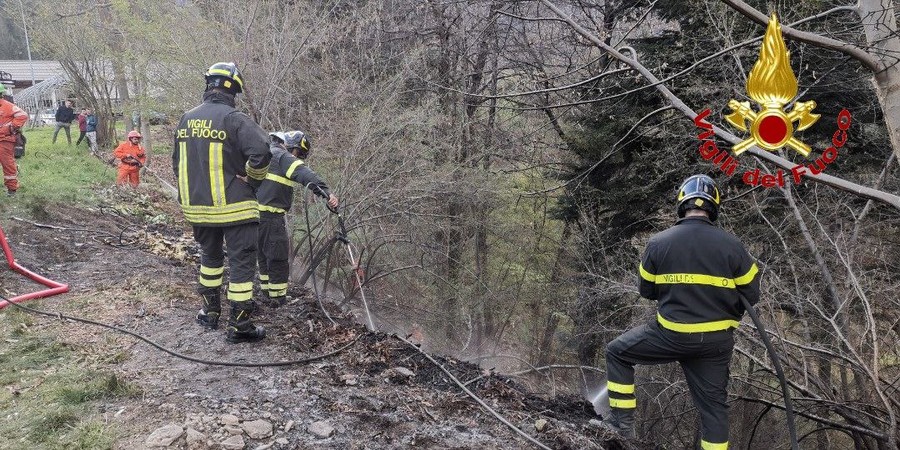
(211, 270)
(747, 277)
(183, 189)
(240, 287)
(293, 167)
(620, 403)
(694, 278)
(211, 283)
(222, 218)
(620, 388)
(271, 209)
(228, 74)
(279, 179)
(277, 293)
(646, 275)
(240, 296)
(263, 277)
(701, 327)
(712, 446)
(222, 209)
(256, 174)
(278, 285)
(216, 174)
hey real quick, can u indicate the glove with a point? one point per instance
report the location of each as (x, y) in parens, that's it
(254, 183)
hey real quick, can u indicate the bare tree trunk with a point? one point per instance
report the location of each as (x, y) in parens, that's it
(880, 25)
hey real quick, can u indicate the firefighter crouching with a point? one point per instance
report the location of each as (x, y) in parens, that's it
(220, 157)
(697, 272)
(131, 158)
(275, 195)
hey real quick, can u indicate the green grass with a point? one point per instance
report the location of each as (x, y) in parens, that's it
(47, 400)
(59, 172)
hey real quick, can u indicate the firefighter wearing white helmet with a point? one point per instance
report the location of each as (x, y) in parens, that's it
(287, 170)
(220, 157)
(697, 273)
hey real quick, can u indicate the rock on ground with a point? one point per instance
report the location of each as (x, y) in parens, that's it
(229, 419)
(195, 438)
(257, 429)
(164, 436)
(321, 429)
(233, 443)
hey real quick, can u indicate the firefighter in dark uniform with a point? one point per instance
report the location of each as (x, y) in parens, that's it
(286, 170)
(696, 272)
(220, 157)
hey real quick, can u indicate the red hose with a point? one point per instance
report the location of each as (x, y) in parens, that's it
(54, 287)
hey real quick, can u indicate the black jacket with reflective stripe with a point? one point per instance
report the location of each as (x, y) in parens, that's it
(285, 171)
(697, 272)
(214, 144)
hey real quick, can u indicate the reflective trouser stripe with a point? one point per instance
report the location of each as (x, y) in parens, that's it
(211, 270)
(264, 282)
(240, 292)
(623, 403)
(277, 289)
(620, 388)
(713, 446)
(211, 276)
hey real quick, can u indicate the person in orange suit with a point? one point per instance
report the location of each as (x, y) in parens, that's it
(131, 158)
(12, 119)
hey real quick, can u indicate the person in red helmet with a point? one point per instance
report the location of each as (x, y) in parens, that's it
(131, 157)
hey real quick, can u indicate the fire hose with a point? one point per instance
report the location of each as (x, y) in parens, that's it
(314, 260)
(53, 287)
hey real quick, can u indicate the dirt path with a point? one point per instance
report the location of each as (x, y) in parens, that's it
(363, 393)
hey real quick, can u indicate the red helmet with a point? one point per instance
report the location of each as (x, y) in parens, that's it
(134, 134)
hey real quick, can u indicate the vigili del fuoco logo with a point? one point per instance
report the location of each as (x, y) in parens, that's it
(772, 85)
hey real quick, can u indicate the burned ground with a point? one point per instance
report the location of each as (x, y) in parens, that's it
(127, 270)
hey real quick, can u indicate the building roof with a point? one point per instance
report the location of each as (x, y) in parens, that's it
(21, 69)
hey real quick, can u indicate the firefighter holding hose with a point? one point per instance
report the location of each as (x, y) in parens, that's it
(275, 195)
(697, 272)
(220, 158)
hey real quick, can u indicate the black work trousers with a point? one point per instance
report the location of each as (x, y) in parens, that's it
(274, 247)
(704, 357)
(241, 243)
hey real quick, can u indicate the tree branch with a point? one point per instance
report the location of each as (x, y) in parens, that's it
(867, 59)
(829, 180)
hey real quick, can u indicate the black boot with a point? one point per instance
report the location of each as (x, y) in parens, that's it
(240, 329)
(621, 421)
(210, 311)
(274, 302)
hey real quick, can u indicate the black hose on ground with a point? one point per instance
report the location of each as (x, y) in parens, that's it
(136, 335)
(776, 361)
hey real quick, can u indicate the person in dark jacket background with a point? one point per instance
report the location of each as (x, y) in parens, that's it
(697, 273)
(64, 117)
(220, 157)
(275, 195)
(90, 130)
